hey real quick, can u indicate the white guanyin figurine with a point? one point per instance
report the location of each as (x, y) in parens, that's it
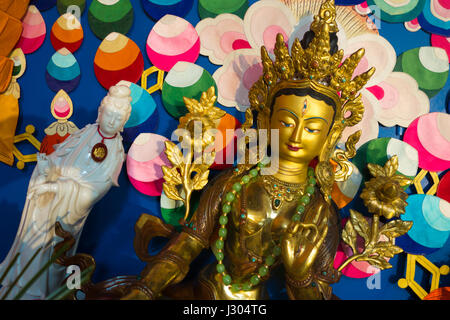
(64, 187)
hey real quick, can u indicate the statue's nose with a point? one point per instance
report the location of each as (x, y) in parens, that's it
(297, 134)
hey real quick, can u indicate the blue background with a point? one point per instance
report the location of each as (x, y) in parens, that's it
(109, 230)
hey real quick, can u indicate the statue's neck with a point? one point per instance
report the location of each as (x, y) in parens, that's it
(291, 172)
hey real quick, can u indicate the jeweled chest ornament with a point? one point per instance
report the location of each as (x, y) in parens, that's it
(99, 151)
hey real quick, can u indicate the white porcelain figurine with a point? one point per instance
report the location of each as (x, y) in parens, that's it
(64, 187)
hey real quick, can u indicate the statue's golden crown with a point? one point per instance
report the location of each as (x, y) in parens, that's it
(314, 65)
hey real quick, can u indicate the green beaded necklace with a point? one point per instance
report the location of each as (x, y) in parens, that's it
(269, 260)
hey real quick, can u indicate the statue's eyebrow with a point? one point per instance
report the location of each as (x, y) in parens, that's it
(317, 118)
(289, 112)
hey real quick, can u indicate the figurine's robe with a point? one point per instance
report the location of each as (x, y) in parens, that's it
(81, 183)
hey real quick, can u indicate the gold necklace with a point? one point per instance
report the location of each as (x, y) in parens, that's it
(281, 191)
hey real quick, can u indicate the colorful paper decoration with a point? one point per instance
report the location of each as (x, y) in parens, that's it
(144, 115)
(344, 192)
(106, 16)
(172, 39)
(427, 65)
(435, 17)
(443, 188)
(220, 36)
(441, 42)
(61, 109)
(76, 7)
(409, 280)
(438, 294)
(34, 31)
(412, 25)
(63, 71)
(43, 5)
(430, 136)
(67, 33)
(185, 79)
(392, 11)
(378, 151)
(213, 8)
(118, 58)
(369, 124)
(144, 160)
(234, 79)
(156, 9)
(225, 143)
(264, 20)
(401, 101)
(431, 223)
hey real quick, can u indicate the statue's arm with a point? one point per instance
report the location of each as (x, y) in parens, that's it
(171, 265)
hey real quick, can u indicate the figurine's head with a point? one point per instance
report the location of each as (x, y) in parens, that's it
(114, 110)
(309, 94)
(303, 118)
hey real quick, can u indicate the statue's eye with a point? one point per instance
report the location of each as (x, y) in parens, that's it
(311, 130)
(285, 124)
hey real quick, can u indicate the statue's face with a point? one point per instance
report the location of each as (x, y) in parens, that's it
(303, 124)
(111, 119)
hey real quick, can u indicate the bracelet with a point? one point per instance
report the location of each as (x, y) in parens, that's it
(144, 289)
(299, 283)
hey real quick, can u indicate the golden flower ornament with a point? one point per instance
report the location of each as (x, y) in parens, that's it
(384, 194)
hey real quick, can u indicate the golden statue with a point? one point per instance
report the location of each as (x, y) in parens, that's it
(254, 222)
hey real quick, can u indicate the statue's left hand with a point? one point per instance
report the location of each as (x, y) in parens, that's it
(301, 243)
(41, 189)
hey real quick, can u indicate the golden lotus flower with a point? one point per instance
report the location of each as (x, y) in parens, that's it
(384, 194)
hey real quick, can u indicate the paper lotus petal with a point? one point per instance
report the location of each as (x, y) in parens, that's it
(225, 142)
(76, 7)
(344, 192)
(378, 151)
(363, 8)
(441, 42)
(401, 101)
(172, 39)
(220, 36)
(369, 123)
(213, 8)
(63, 71)
(34, 31)
(144, 160)
(412, 25)
(118, 58)
(429, 134)
(379, 53)
(435, 17)
(156, 9)
(431, 224)
(106, 16)
(264, 20)
(428, 65)
(234, 79)
(188, 80)
(67, 33)
(396, 11)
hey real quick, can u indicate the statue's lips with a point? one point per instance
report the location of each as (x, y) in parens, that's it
(292, 148)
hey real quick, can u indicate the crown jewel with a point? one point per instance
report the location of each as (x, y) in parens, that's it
(313, 64)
